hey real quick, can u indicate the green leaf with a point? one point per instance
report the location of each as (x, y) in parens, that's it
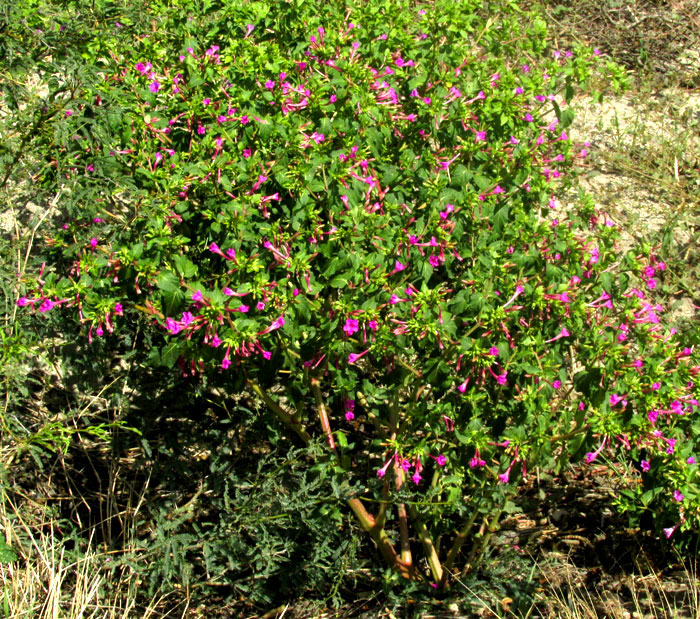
(170, 352)
(7, 555)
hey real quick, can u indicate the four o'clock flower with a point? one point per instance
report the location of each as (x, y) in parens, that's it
(275, 325)
(562, 333)
(351, 326)
(354, 357)
(592, 455)
(518, 291)
(349, 409)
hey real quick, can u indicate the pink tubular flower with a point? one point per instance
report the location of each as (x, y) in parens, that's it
(47, 305)
(518, 291)
(616, 399)
(349, 409)
(197, 296)
(440, 460)
(93, 242)
(476, 461)
(677, 496)
(562, 333)
(382, 471)
(493, 351)
(354, 357)
(351, 326)
(275, 325)
(173, 326)
(645, 466)
(670, 530)
(592, 455)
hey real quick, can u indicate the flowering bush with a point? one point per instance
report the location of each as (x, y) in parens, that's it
(359, 211)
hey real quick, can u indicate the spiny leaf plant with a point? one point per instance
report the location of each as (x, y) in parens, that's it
(353, 214)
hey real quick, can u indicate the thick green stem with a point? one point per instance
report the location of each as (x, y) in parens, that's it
(289, 420)
(478, 551)
(375, 528)
(406, 555)
(428, 547)
(323, 414)
(461, 537)
(380, 538)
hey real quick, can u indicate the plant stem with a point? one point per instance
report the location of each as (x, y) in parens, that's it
(375, 528)
(406, 555)
(457, 545)
(428, 547)
(323, 414)
(289, 420)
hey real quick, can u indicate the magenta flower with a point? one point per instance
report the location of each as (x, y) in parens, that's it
(616, 399)
(382, 471)
(275, 325)
(677, 496)
(477, 461)
(47, 305)
(155, 86)
(354, 357)
(349, 409)
(351, 326)
(518, 291)
(197, 296)
(118, 309)
(591, 456)
(645, 466)
(493, 351)
(556, 384)
(562, 333)
(93, 242)
(441, 460)
(173, 326)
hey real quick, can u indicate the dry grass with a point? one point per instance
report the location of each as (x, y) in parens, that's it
(53, 578)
